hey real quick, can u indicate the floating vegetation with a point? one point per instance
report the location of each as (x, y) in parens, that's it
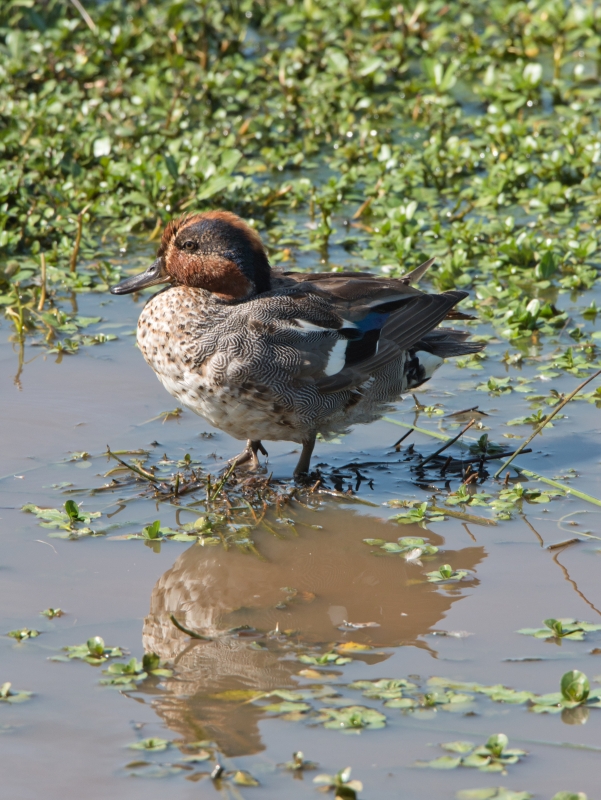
(326, 660)
(564, 628)
(404, 695)
(494, 756)
(446, 574)
(8, 695)
(340, 783)
(67, 520)
(569, 796)
(575, 691)
(23, 634)
(299, 763)
(52, 613)
(493, 793)
(420, 514)
(411, 547)
(153, 745)
(127, 675)
(94, 651)
(351, 719)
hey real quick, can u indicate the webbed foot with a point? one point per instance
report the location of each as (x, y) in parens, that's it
(249, 454)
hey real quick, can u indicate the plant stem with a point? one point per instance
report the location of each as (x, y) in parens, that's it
(221, 483)
(419, 430)
(75, 253)
(85, 16)
(547, 419)
(43, 292)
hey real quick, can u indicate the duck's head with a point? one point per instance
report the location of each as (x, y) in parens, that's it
(216, 251)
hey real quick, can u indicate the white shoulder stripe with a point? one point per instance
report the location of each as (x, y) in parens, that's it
(304, 325)
(337, 357)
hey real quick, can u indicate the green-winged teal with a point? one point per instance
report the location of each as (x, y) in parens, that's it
(264, 354)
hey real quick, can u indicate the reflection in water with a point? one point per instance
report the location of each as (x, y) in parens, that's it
(310, 582)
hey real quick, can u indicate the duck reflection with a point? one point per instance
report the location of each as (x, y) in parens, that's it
(309, 586)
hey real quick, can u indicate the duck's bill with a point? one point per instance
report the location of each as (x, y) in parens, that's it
(154, 275)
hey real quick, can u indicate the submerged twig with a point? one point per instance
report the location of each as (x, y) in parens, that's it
(546, 421)
(448, 443)
(466, 411)
(561, 545)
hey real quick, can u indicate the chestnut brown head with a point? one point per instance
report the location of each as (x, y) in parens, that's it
(215, 251)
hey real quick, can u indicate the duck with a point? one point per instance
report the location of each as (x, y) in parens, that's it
(269, 355)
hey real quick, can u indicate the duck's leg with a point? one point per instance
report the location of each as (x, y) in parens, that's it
(304, 462)
(249, 454)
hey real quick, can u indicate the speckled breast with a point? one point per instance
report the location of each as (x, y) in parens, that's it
(180, 334)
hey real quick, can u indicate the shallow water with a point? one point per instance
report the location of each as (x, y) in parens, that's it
(313, 575)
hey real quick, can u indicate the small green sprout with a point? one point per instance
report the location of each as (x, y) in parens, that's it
(8, 696)
(51, 613)
(298, 763)
(446, 574)
(94, 651)
(152, 744)
(23, 634)
(564, 628)
(575, 691)
(66, 520)
(341, 784)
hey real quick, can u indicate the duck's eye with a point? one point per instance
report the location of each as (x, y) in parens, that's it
(189, 245)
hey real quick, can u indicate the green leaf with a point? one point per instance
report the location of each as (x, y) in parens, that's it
(575, 686)
(569, 796)
(459, 747)
(151, 744)
(442, 762)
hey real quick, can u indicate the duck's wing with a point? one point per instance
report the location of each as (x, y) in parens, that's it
(360, 291)
(386, 334)
(338, 282)
(345, 337)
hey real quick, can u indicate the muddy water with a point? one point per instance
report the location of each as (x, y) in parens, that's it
(314, 576)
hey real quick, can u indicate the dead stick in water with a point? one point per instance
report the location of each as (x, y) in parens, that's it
(449, 443)
(397, 445)
(466, 411)
(75, 253)
(547, 419)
